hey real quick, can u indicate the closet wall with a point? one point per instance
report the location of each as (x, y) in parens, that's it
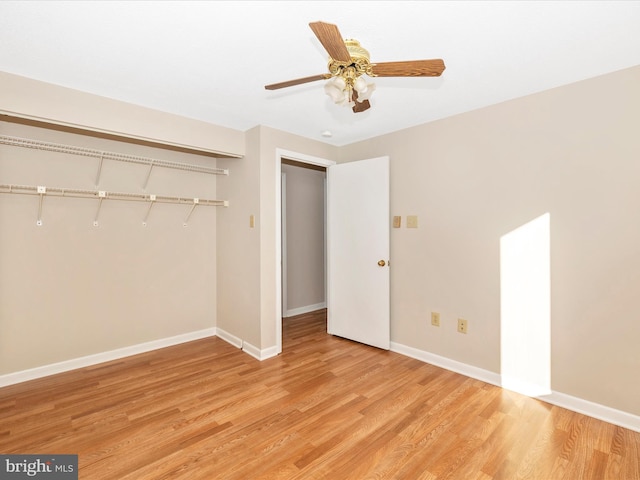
(69, 289)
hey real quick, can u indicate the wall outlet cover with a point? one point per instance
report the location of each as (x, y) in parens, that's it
(462, 325)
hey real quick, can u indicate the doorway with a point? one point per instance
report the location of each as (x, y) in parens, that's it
(357, 223)
(303, 238)
(299, 158)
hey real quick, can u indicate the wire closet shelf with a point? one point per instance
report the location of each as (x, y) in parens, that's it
(101, 195)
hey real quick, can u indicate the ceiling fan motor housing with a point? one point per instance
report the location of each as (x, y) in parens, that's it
(359, 64)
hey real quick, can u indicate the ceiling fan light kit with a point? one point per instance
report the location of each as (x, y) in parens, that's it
(347, 76)
(342, 92)
(349, 61)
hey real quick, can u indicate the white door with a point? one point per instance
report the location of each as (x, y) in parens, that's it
(358, 251)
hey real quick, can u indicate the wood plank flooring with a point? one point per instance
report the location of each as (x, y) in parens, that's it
(327, 408)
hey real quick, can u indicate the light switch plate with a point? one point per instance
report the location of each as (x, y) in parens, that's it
(412, 221)
(397, 221)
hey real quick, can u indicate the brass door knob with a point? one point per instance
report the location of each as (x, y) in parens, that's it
(381, 263)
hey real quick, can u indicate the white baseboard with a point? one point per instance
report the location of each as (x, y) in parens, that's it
(595, 410)
(246, 347)
(259, 354)
(54, 368)
(73, 364)
(229, 338)
(309, 308)
(526, 388)
(447, 363)
(575, 404)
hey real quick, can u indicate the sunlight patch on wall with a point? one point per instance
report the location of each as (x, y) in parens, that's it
(525, 304)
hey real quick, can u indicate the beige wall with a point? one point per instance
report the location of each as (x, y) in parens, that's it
(573, 152)
(304, 237)
(69, 289)
(238, 245)
(247, 258)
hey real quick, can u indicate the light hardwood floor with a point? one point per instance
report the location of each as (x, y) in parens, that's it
(327, 408)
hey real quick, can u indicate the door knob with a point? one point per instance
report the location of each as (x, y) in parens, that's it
(381, 263)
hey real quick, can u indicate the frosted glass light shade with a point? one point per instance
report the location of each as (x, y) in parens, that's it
(335, 88)
(364, 89)
(340, 93)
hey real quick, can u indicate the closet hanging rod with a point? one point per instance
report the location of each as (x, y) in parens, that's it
(101, 194)
(121, 157)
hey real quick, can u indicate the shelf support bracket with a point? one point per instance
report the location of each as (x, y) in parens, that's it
(101, 195)
(99, 169)
(196, 201)
(152, 199)
(146, 180)
(41, 192)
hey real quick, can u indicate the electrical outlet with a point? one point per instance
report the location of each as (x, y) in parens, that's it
(462, 325)
(435, 319)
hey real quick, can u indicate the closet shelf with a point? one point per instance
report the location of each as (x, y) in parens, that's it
(103, 155)
(78, 193)
(100, 195)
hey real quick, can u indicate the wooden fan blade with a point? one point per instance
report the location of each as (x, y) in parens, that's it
(298, 81)
(411, 68)
(331, 40)
(359, 106)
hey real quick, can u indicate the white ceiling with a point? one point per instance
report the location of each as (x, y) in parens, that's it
(211, 60)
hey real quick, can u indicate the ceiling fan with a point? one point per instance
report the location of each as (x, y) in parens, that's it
(348, 62)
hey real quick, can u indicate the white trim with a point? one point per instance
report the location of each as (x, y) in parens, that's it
(283, 244)
(325, 207)
(251, 350)
(304, 158)
(269, 353)
(595, 410)
(575, 404)
(229, 338)
(73, 364)
(258, 354)
(309, 308)
(447, 363)
(278, 229)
